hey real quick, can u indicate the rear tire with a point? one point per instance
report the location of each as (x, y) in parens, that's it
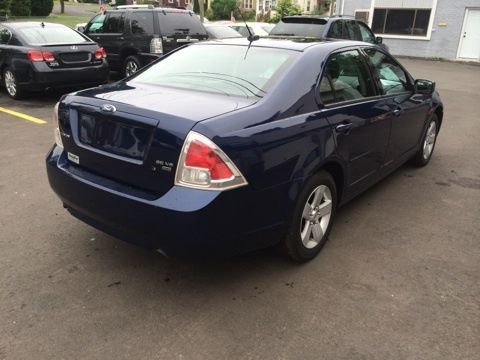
(131, 65)
(429, 139)
(312, 218)
(11, 85)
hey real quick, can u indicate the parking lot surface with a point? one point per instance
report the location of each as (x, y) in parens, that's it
(399, 278)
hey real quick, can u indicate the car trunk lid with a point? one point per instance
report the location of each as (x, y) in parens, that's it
(74, 55)
(128, 141)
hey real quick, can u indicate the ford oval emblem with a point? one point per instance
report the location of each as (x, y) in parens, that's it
(108, 108)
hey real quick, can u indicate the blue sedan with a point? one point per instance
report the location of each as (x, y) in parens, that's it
(228, 146)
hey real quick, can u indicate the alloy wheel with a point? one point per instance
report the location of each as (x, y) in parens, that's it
(131, 68)
(316, 216)
(10, 83)
(429, 142)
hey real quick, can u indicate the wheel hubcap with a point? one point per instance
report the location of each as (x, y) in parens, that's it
(316, 216)
(10, 83)
(429, 140)
(131, 68)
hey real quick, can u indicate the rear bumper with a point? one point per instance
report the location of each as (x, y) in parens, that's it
(40, 76)
(148, 58)
(183, 222)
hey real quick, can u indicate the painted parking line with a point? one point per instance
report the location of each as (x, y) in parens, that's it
(23, 116)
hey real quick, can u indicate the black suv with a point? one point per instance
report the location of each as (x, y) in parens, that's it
(134, 38)
(335, 27)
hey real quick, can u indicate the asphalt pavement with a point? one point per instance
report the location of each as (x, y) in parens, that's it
(399, 278)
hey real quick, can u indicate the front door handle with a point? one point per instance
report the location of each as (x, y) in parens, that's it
(343, 128)
(397, 111)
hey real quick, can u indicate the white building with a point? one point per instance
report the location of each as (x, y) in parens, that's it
(448, 29)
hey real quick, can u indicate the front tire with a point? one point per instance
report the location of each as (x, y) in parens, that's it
(11, 85)
(312, 218)
(131, 65)
(429, 139)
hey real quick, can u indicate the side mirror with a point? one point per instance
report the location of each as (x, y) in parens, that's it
(378, 40)
(425, 87)
(81, 29)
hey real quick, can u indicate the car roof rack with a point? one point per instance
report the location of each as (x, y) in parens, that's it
(133, 7)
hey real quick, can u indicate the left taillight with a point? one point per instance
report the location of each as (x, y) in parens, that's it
(203, 165)
(37, 56)
(57, 135)
(100, 53)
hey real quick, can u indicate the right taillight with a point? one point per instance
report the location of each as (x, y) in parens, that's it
(156, 46)
(204, 165)
(57, 134)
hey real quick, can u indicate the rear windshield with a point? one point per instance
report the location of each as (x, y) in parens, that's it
(309, 27)
(180, 23)
(222, 32)
(224, 69)
(51, 35)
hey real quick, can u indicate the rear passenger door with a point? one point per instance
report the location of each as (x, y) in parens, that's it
(409, 109)
(358, 116)
(113, 36)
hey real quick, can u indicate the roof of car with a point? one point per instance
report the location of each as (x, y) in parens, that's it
(334, 17)
(22, 24)
(159, 9)
(300, 44)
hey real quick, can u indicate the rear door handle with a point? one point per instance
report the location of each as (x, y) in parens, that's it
(343, 128)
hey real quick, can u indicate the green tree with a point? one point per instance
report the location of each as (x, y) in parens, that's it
(20, 8)
(285, 8)
(4, 7)
(221, 9)
(41, 7)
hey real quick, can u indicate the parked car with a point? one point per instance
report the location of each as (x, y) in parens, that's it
(218, 31)
(35, 56)
(134, 38)
(335, 27)
(257, 28)
(220, 148)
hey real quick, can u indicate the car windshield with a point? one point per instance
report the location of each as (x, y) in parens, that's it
(222, 32)
(179, 23)
(224, 69)
(51, 35)
(309, 27)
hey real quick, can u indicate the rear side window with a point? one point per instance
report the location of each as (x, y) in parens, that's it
(392, 77)
(141, 22)
(115, 23)
(353, 31)
(51, 35)
(345, 78)
(180, 23)
(296, 26)
(367, 35)
(96, 25)
(336, 30)
(5, 35)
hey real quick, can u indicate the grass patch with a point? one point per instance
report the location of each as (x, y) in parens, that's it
(67, 20)
(93, 7)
